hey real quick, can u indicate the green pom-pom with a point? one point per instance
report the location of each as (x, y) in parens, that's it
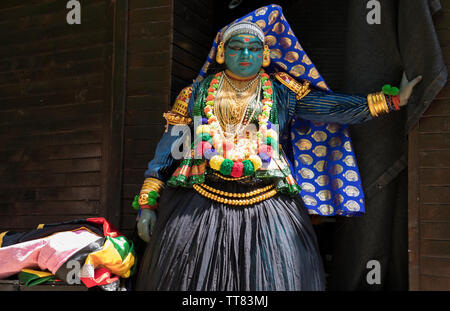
(226, 167)
(389, 90)
(135, 203)
(153, 194)
(151, 201)
(205, 137)
(248, 169)
(269, 141)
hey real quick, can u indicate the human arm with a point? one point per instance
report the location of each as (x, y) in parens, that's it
(161, 166)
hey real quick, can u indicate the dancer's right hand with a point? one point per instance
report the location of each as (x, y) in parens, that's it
(146, 224)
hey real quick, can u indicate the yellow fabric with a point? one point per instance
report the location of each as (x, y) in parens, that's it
(39, 273)
(40, 226)
(109, 258)
(1, 237)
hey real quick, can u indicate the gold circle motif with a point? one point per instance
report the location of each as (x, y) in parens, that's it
(351, 191)
(320, 166)
(336, 184)
(348, 146)
(291, 56)
(298, 46)
(308, 187)
(313, 73)
(320, 151)
(306, 173)
(281, 65)
(310, 200)
(350, 161)
(338, 199)
(303, 130)
(322, 180)
(336, 169)
(297, 70)
(270, 40)
(336, 155)
(273, 17)
(352, 206)
(278, 28)
(326, 209)
(335, 141)
(305, 159)
(324, 195)
(275, 53)
(319, 136)
(261, 23)
(285, 42)
(303, 144)
(351, 175)
(322, 85)
(333, 127)
(306, 60)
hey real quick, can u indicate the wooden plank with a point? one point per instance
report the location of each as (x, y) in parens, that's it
(429, 142)
(435, 248)
(435, 231)
(115, 98)
(435, 124)
(434, 194)
(435, 266)
(148, 102)
(435, 176)
(29, 180)
(20, 209)
(162, 13)
(435, 212)
(434, 283)
(434, 159)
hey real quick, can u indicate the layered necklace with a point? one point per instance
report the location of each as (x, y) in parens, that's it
(228, 153)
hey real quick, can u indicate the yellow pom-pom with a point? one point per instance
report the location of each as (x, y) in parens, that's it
(202, 129)
(216, 162)
(256, 161)
(272, 134)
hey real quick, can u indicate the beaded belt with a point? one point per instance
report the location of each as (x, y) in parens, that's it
(246, 198)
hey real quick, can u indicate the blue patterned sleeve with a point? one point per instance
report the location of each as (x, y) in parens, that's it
(327, 107)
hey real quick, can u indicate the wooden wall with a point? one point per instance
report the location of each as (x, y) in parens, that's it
(53, 108)
(147, 94)
(429, 184)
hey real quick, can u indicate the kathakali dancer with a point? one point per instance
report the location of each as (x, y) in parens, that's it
(269, 146)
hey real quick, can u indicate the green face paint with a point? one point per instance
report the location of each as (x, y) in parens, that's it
(244, 55)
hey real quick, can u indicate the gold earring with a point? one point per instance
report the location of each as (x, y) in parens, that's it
(220, 56)
(266, 56)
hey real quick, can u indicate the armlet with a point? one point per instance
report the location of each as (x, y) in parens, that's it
(301, 89)
(178, 114)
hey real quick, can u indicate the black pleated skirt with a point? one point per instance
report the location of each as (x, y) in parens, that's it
(199, 244)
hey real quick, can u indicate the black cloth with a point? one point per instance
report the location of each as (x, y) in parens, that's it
(378, 54)
(199, 244)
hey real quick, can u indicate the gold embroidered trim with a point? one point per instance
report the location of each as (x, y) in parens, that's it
(298, 88)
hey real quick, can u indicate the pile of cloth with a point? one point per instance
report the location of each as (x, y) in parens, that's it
(83, 251)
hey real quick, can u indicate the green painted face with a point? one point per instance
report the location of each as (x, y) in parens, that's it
(244, 55)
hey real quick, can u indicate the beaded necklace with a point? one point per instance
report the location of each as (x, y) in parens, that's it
(239, 157)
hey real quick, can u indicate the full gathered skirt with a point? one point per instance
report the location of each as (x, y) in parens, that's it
(199, 244)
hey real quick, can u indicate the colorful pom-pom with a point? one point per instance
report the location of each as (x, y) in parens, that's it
(215, 162)
(237, 169)
(265, 149)
(204, 121)
(135, 203)
(153, 194)
(265, 158)
(205, 137)
(208, 154)
(256, 161)
(248, 168)
(201, 147)
(226, 167)
(151, 201)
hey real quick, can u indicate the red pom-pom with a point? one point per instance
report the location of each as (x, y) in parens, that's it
(201, 147)
(237, 169)
(267, 149)
(210, 98)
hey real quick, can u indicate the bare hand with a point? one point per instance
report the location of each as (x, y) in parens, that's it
(406, 88)
(146, 224)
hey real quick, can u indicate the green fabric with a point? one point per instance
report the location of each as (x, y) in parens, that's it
(31, 279)
(122, 245)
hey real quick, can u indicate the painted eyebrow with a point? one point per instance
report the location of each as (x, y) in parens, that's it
(239, 41)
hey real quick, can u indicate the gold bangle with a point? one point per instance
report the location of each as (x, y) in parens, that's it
(383, 98)
(371, 107)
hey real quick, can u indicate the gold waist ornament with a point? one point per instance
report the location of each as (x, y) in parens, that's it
(240, 199)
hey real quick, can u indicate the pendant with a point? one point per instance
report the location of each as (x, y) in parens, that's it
(239, 94)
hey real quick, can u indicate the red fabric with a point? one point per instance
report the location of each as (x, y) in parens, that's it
(108, 229)
(102, 276)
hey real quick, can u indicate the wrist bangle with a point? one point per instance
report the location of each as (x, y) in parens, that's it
(396, 101)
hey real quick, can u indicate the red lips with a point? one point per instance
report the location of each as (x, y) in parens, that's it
(245, 64)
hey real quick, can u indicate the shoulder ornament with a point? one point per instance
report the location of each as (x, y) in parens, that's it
(301, 89)
(178, 114)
